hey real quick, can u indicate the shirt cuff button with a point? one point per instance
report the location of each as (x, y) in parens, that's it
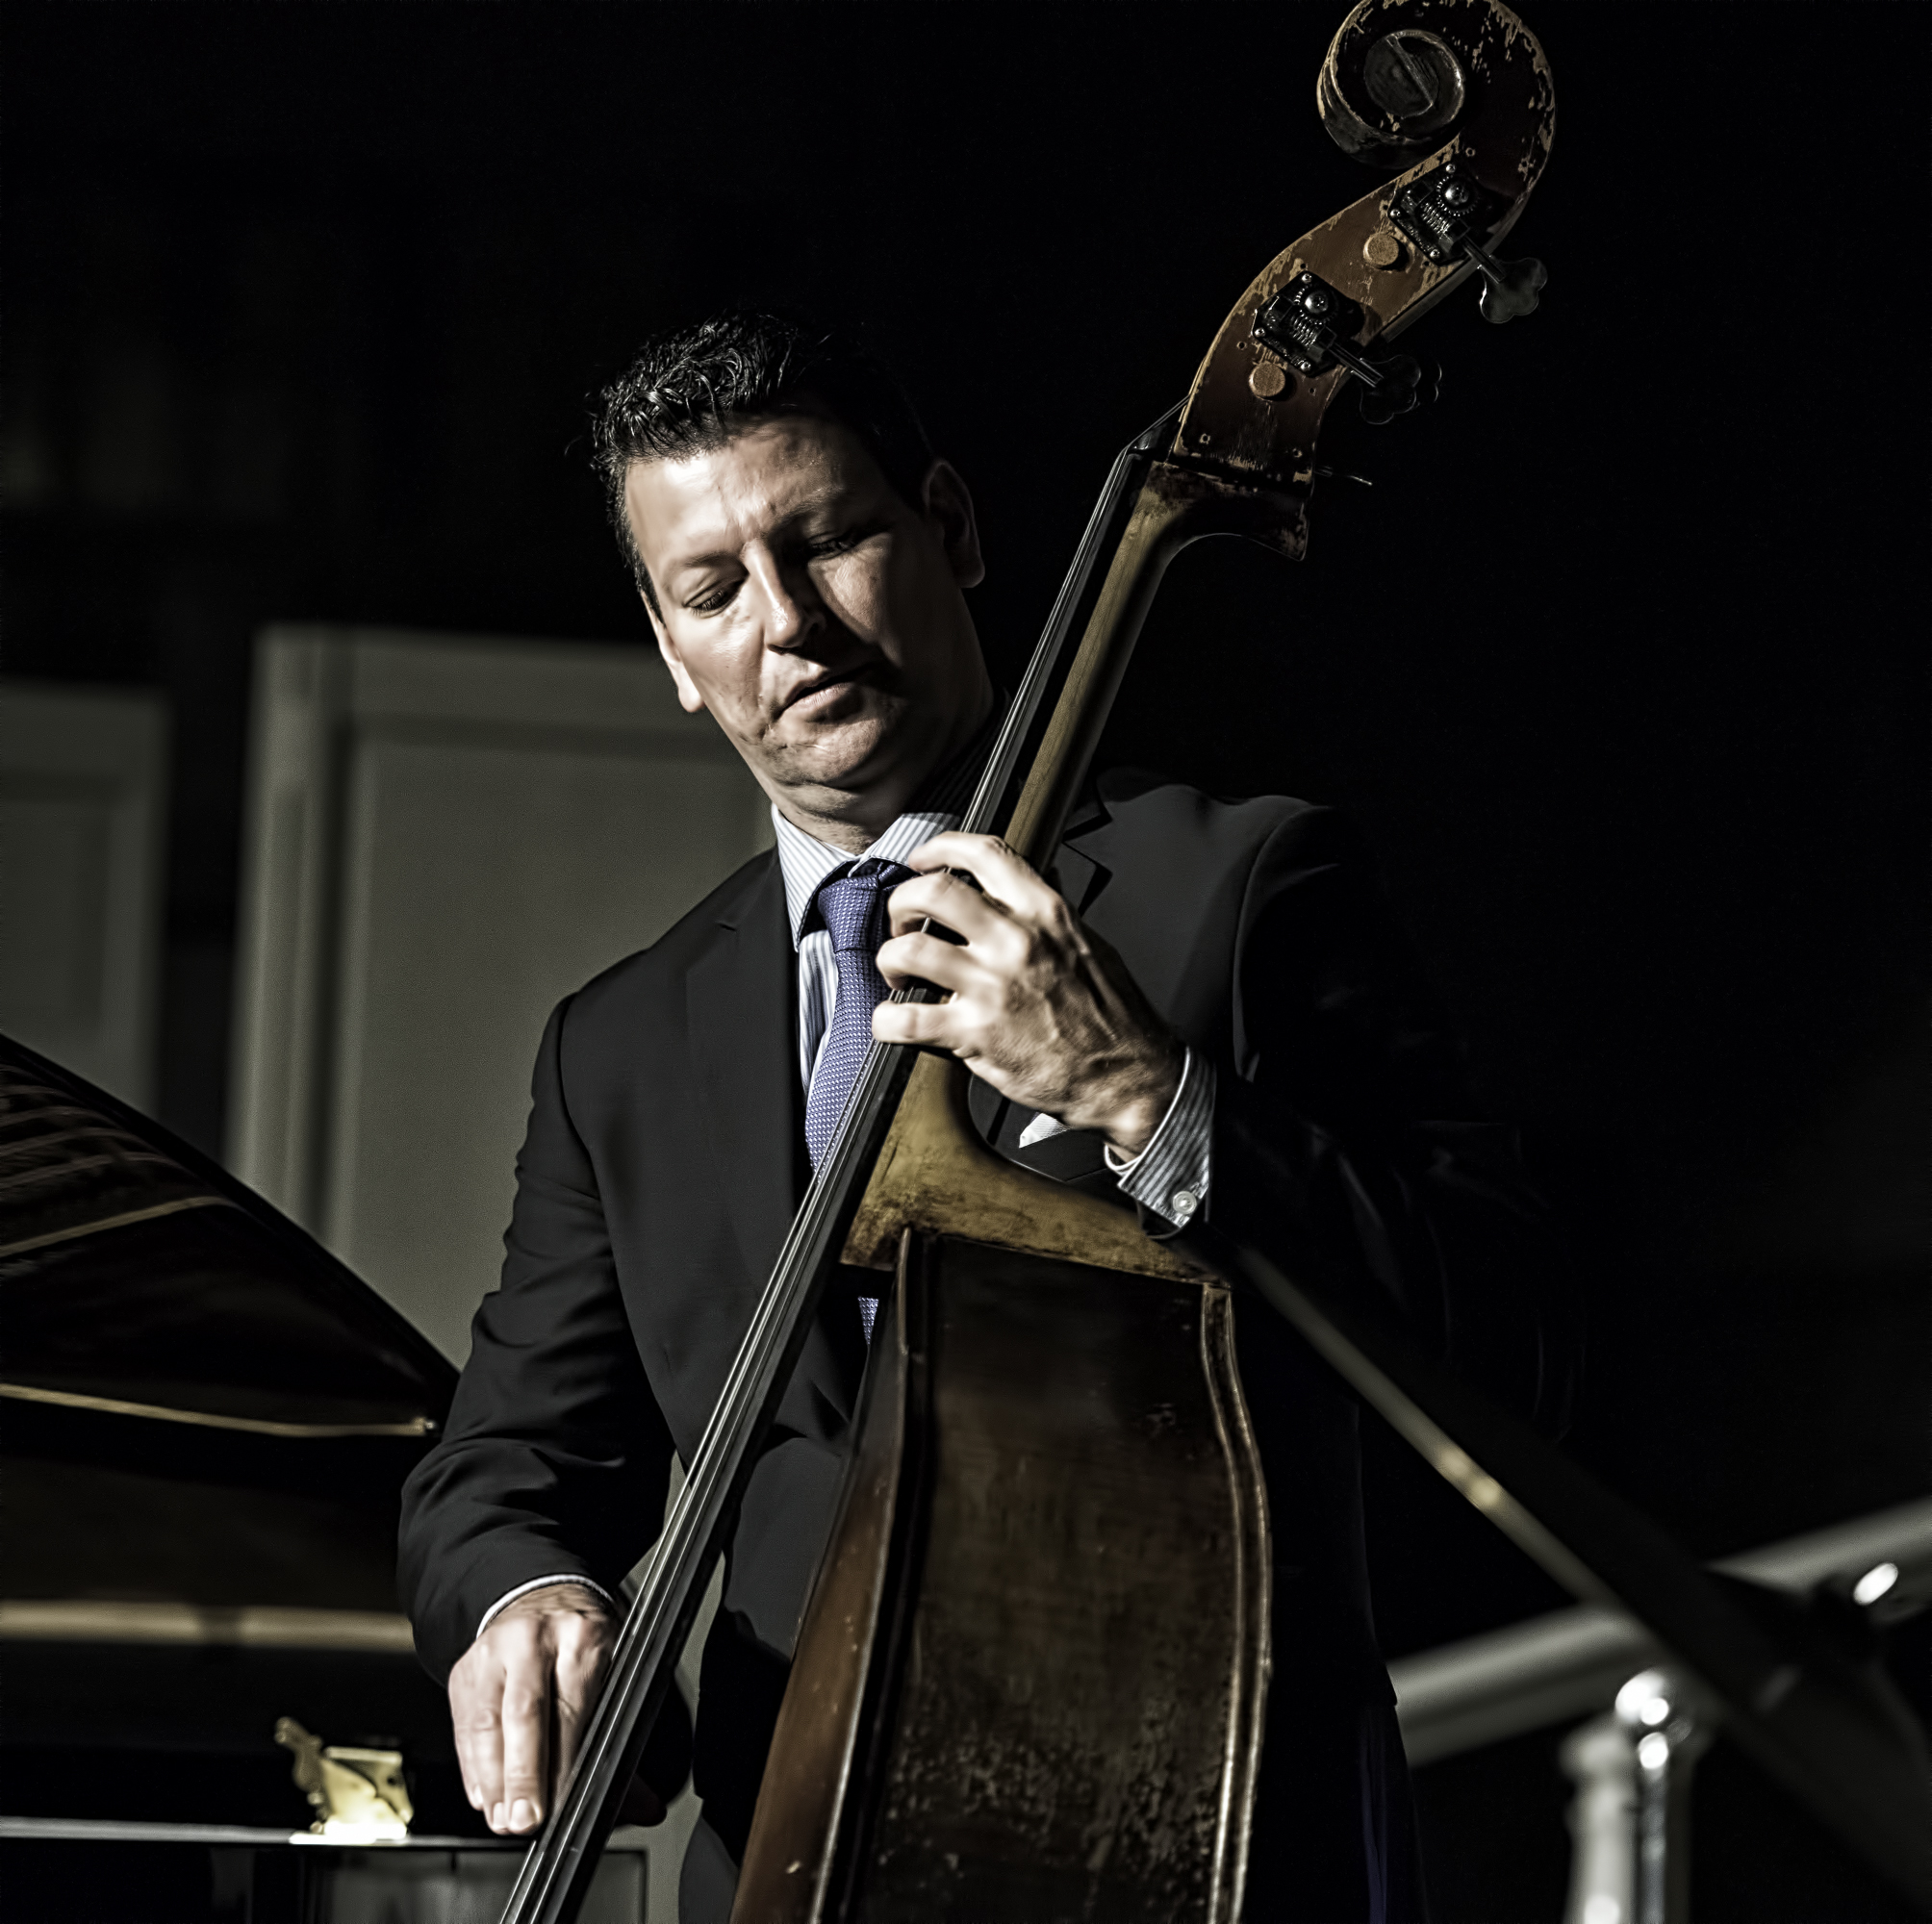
(1182, 1204)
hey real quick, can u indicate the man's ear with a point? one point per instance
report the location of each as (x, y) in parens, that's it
(948, 503)
(688, 697)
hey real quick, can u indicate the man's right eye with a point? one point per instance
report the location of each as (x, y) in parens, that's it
(712, 599)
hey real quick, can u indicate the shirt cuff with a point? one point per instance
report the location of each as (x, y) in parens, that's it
(496, 1609)
(1170, 1176)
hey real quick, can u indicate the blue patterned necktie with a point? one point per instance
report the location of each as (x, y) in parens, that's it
(853, 908)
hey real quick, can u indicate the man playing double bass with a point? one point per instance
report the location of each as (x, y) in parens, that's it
(805, 560)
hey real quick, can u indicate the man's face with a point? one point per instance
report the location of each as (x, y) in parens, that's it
(815, 614)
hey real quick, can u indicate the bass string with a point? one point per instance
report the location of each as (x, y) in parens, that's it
(1001, 764)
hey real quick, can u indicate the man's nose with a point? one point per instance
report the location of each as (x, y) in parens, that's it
(792, 610)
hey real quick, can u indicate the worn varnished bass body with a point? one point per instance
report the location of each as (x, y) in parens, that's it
(1029, 1683)
(1030, 1679)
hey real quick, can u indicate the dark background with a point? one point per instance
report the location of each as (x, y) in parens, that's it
(1620, 664)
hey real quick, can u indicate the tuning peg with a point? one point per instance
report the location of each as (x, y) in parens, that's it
(1404, 382)
(1309, 324)
(1509, 287)
(1443, 213)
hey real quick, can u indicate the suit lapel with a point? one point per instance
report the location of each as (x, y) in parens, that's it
(1080, 870)
(740, 999)
(740, 996)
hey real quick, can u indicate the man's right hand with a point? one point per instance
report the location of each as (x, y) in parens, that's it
(519, 1698)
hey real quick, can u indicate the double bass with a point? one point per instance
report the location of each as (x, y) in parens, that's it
(1030, 1678)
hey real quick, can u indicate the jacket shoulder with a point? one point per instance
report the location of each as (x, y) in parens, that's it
(1175, 880)
(650, 969)
(1141, 811)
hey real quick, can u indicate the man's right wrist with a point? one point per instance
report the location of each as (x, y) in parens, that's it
(553, 1581)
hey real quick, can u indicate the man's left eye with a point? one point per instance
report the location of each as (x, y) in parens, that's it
(832, 544)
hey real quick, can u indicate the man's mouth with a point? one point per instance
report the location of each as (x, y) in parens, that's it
(821, 684)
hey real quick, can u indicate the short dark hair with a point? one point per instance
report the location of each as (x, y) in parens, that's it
(693, 388)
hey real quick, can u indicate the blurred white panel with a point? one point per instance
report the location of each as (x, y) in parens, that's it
(82, 813)
(444, 836)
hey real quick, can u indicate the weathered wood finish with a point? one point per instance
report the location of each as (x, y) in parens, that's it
(934, 1174)
(1062, 1599)
(1503, 137)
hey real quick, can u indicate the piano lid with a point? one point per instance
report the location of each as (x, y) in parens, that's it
(141, 1281)
(205, 1424)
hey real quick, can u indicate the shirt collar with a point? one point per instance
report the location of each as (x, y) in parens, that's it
(808, 864)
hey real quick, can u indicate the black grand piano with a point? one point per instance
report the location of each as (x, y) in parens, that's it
(210, 1708)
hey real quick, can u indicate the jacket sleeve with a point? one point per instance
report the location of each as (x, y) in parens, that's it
(1346, 1144)
(556, 1456)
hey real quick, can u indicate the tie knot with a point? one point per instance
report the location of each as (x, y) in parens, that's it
(852, 903)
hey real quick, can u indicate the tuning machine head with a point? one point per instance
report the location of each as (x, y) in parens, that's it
(1443, 213)
(1312, 326)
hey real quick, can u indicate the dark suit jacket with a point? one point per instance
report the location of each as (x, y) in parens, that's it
(665, 1155)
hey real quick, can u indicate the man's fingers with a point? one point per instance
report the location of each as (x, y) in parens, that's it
(925, 958)
(476, 1707)
(949, 900)
(580, 1666)
(541, 1658)
(479, 1754)
(928, 1024)
(1015, 884)
(526, 1739)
